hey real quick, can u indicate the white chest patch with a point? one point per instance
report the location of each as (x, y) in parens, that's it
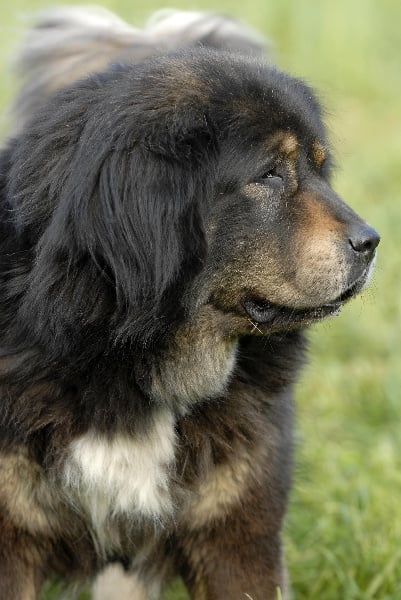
(122, 475)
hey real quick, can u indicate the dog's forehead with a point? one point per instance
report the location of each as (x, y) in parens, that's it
(253, 106)
(248, 97)
(245, 84)
(230, 102)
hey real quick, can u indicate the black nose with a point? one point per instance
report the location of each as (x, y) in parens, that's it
(364, 239)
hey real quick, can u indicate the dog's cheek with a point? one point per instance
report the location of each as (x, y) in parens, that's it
(250, 250)
(259, 267)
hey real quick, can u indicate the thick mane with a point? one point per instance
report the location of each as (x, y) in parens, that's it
(119, 194)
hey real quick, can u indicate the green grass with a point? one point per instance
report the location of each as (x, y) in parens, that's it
(343, 529)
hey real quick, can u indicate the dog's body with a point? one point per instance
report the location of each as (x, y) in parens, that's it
(167, 232)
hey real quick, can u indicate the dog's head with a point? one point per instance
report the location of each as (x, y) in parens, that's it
(147, 191)
(284, 249)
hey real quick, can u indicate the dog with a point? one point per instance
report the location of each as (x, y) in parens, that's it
(168, 234)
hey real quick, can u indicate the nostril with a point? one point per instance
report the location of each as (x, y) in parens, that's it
(365, 240)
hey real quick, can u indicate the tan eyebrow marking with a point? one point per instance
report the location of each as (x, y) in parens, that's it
(318, 153)
(289, 146)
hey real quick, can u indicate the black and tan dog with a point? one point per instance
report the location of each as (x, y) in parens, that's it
(168, 231)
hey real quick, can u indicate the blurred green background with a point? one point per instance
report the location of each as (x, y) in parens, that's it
(343, 531)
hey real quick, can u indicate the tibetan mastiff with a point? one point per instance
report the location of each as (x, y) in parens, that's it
(168, 232)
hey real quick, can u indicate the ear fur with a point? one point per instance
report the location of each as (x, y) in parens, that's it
(113, 207)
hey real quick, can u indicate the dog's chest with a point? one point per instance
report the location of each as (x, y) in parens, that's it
(121, 477)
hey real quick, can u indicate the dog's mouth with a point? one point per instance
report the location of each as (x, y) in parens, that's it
(264, 312)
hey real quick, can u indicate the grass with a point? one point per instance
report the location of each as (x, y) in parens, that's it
(343, 529)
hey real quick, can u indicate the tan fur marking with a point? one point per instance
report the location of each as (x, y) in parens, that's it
(320, 223)
(200, 362)
(29, 591)
(318, 153)
(26, 494)
(289, 146)
(283, 143)
(321, 268)
(220, 491)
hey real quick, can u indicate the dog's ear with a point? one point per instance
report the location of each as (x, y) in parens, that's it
(140, 216)
(125, 233)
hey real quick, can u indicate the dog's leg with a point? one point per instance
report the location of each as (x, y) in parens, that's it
(21, 575)
(234, 560)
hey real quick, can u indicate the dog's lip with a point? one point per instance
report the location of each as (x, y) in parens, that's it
(265, 312)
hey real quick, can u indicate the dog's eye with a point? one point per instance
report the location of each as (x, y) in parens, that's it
(270, 176)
